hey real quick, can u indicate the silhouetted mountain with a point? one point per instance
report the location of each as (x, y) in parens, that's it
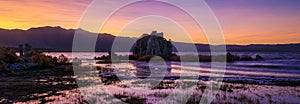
(60, 39)
(55, 38)
(266, 47)
(43, 37)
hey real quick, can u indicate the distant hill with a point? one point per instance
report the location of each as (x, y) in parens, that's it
(54, 38)
(60, 39)
(266, 48)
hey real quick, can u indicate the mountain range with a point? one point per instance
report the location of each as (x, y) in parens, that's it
(60, 39)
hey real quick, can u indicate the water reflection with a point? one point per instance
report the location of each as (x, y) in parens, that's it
(135, 70)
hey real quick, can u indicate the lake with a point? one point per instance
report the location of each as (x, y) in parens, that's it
(276, 64)
(272, 80)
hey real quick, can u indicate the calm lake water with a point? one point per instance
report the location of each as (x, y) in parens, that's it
(276, 64)
(132, 87)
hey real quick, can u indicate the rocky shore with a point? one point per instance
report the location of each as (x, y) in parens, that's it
(34, 84)
(51, 80)
(32, 75)
(49, 85)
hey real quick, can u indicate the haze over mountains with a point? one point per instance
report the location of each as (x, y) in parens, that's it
(60, 39)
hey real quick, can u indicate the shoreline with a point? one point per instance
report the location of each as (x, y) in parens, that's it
(51, 85)
(25, 85)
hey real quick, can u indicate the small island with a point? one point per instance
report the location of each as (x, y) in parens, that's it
(154, 44)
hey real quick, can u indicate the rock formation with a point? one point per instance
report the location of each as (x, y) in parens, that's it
(153, 44)
(28, 48)
(21, 52)
(28, 58)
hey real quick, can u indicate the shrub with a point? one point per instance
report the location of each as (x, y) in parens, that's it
(7, 55)
(41, 59)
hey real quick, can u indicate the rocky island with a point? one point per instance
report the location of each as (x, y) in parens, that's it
(153, 44)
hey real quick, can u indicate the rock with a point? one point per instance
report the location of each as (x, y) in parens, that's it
(174, 54)
(258, 57)
(21, 52)
(204, 58)
(246, 58)
(145, 58)
(97, 58)
(230, 90)
(153, 44)
(21, 66)
(28, 48)
(231, 58)
(63, 59)
(16, 66)
(133, 57)
(174, 58)
(31, 65)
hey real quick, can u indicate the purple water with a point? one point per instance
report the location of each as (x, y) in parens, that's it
(284, 66)
(275, 64)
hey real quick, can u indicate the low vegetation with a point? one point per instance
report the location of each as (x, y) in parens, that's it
(10, 61)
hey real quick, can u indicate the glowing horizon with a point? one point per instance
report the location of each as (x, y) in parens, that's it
(243, 22)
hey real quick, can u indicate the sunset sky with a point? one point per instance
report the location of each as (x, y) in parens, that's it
(242, 21)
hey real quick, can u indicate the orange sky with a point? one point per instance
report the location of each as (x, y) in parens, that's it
(243, 22)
